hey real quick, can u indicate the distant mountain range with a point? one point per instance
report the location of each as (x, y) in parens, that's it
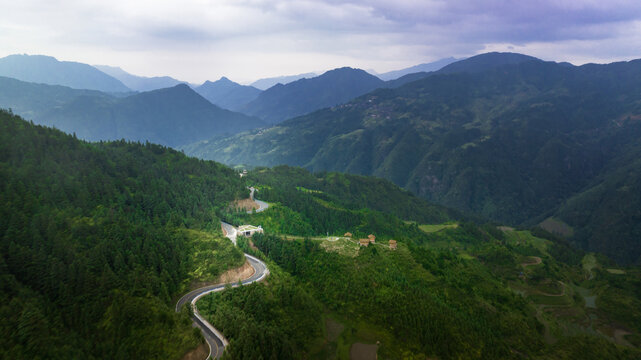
(227, 94)
(266, 83)
(426, 67)
(337, 86)
(47, 70)
(506, 136)
(139, 83)
(172, 117)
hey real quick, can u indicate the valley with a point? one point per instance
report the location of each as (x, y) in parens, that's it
(487, 209)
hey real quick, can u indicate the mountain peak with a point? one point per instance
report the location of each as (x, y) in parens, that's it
(487, 61)
(226, 93)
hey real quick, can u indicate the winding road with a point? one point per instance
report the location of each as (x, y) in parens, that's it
(215, 338)
(262, 206)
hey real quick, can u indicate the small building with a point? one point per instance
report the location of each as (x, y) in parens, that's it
(363, 242)
(392, 244)
(348, 234)
(244, 173)
(249, 230)
(371, 238)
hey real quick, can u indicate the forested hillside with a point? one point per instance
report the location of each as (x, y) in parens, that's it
(97, 240)
(171, 117)
(511, 142)
(451, 289)
(303, 96)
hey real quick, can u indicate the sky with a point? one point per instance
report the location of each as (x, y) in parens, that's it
(197, 40)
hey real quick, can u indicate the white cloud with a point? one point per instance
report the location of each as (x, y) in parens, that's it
(246, 39)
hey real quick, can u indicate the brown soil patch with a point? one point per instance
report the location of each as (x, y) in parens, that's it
(360, 351)
(229, 276)
(244, 204)
(252, 246)
(238, 274)
(199, 353)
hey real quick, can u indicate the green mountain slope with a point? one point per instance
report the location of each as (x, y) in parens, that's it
(48, 70)
(303, 96)
(97, 240)
(449, 290)
(511, 143)
(172, 116)
(227, 94)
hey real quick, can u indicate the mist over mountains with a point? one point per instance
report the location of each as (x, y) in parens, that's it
(227, 94)
(172, 116)
(282, 102)
(48, 70)
(138, 83)
(505, 136)
(266, 83)
(502, 135)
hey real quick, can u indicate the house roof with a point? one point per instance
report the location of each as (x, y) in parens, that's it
(244, 228)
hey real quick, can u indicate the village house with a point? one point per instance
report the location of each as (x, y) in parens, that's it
(371, 238)
(348, 234)
(392, 244)
(249, 230)
(363, 242)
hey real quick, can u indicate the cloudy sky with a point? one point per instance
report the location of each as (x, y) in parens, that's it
(195, 40)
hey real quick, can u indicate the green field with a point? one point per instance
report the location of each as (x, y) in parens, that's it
(436, 227)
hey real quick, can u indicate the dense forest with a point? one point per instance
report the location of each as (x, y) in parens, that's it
(97, 240)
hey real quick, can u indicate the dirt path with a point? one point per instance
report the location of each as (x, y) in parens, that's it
(619, 337)
(537, 260)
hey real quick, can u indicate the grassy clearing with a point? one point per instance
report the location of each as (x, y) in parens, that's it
(616, 271)
(525, 238)
(213, 254)
(344, 246)
(308, 191)
(436, 227)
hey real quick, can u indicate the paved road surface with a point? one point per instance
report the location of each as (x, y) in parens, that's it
(230, 231)
(215, 338)
(262, 206)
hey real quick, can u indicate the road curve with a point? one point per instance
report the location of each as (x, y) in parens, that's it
(262, 206)
(215, 338)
